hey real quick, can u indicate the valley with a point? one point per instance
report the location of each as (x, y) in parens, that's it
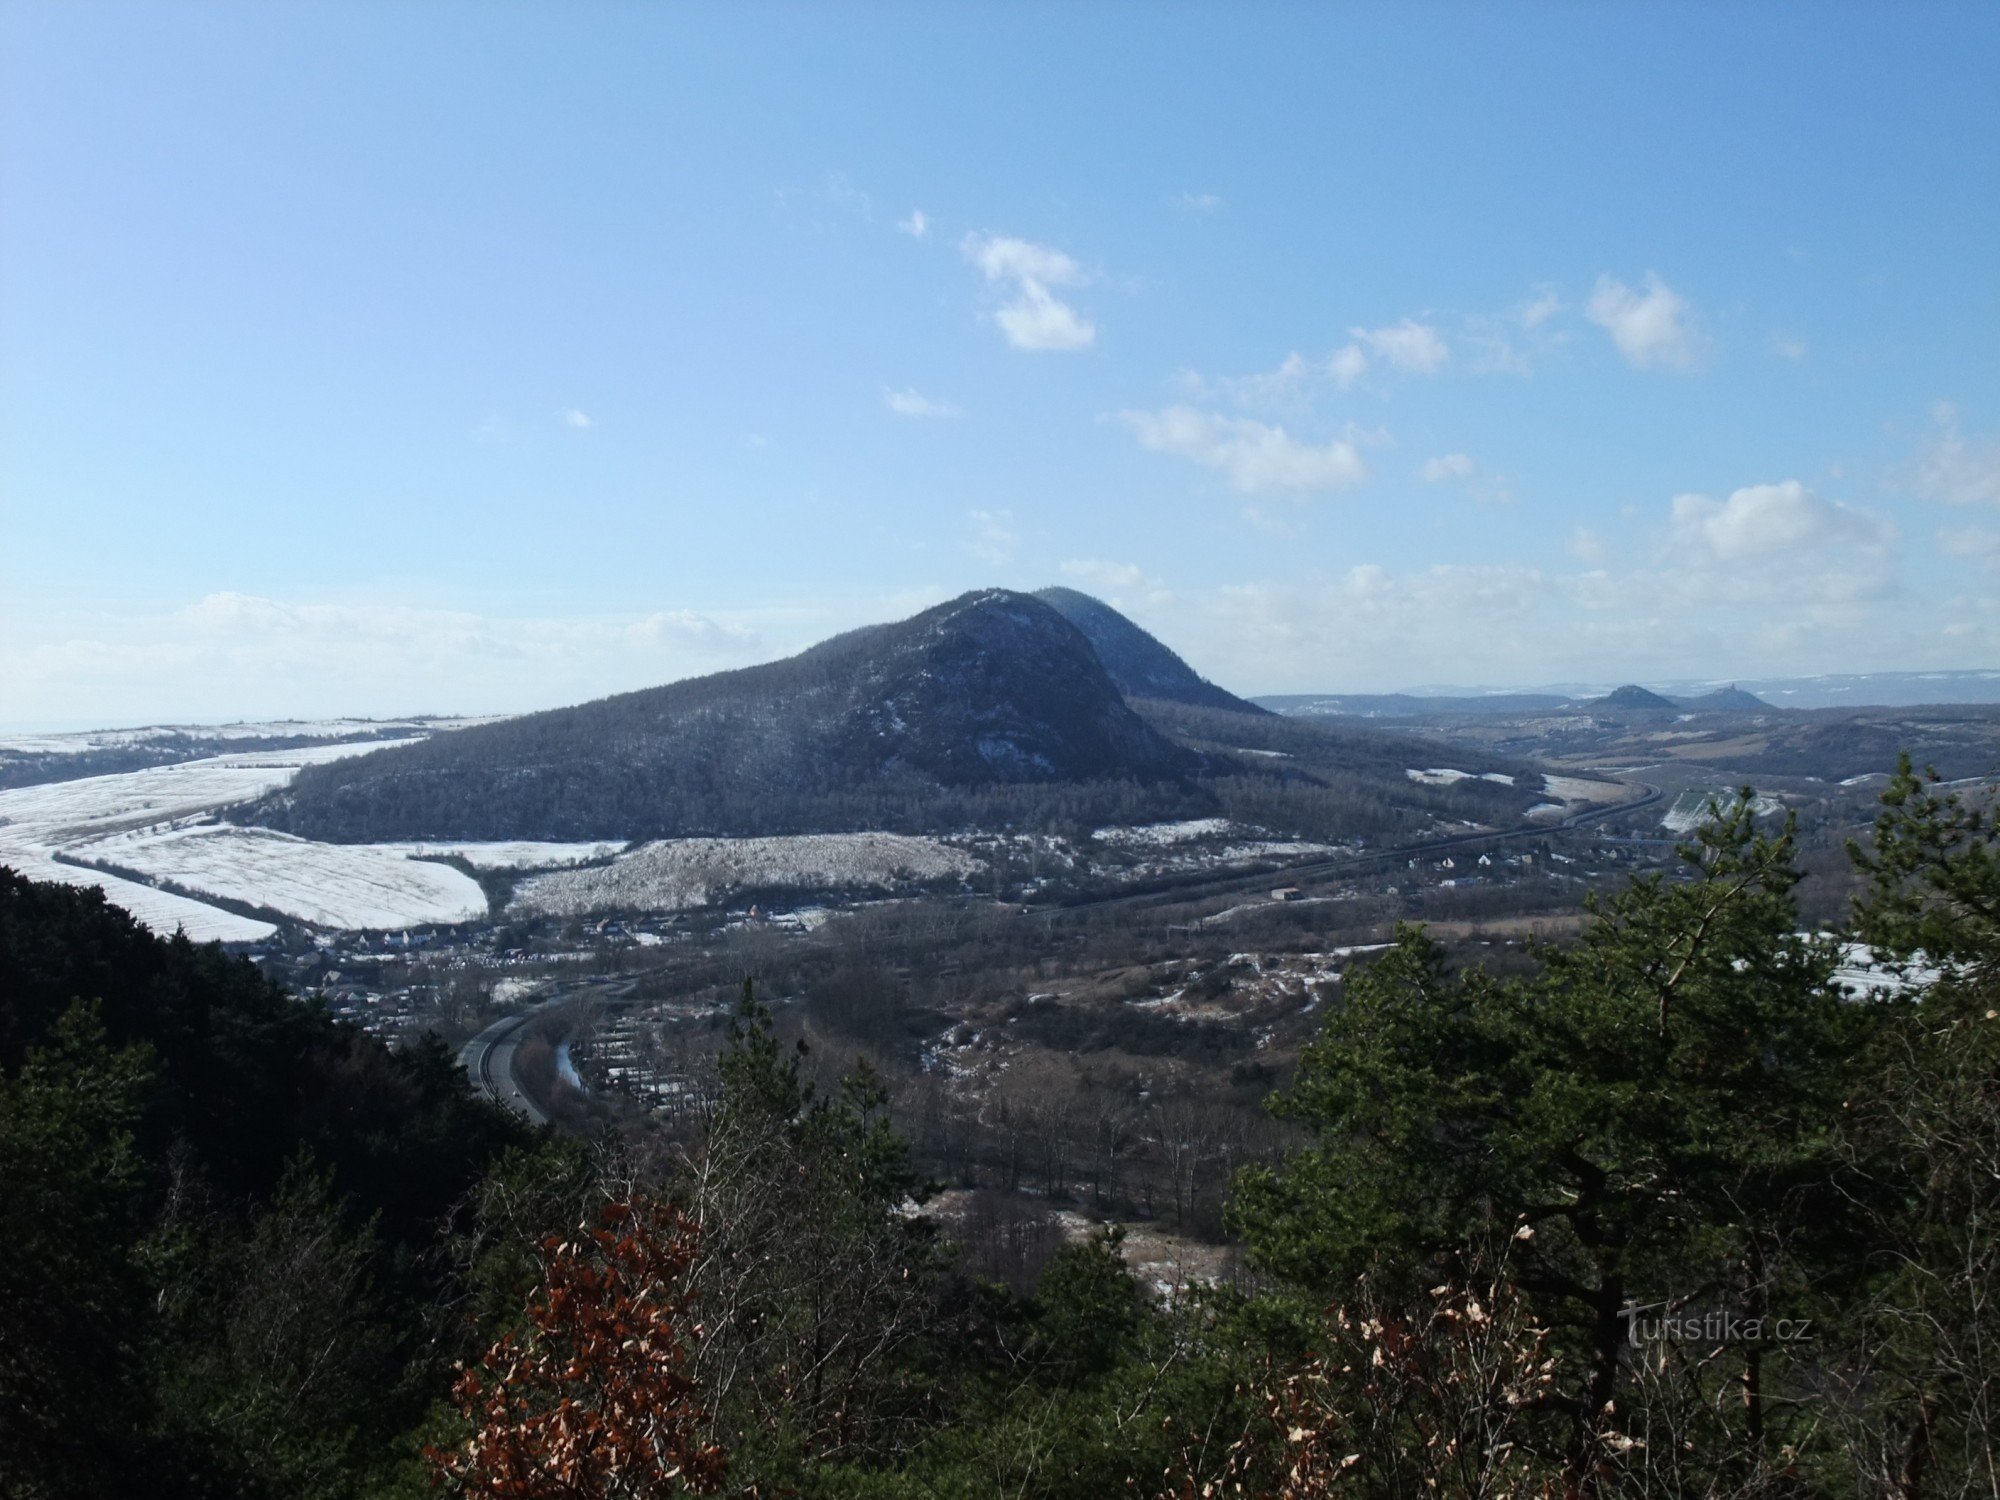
(1077, 908)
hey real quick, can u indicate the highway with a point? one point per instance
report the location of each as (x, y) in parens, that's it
(488, 1060)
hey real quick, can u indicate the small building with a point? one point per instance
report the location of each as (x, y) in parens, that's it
(1287, 893)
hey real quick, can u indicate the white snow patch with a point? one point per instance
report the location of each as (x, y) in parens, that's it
(330, 885)
(1583, 789)
(162, 911)
(1690, 809)
(39, 822)
(678, 874)
(1165, 833)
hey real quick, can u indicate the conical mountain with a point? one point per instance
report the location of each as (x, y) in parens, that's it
(1632, 697)
(993, 689)
(1140, 665)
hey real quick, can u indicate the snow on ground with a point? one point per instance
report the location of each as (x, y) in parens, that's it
(1165, 833)
(1690, 809)
(678, 874)
(63, 811)
(330, 885)
(160, 910)
(39, 822)
(1582, 789)
(1274, 849)
(516, 854)
(1445, 776)
(1863, 973)
(85, 741)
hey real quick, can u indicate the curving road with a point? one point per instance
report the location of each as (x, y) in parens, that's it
(488, 1060)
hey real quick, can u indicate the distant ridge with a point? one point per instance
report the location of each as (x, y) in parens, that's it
(1406, 705)
(874, 728)
(1773, 695)
(1633, 697)
(1729, 700)
(1140, 665)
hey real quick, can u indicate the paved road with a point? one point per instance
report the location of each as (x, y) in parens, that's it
(488, 1060)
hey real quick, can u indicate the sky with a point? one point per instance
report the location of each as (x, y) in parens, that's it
(462, 358)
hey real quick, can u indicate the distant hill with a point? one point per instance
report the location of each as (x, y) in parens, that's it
(1633, 698)
(888, 726)
(1407, 705)
(1140, 665)
(1729, 700)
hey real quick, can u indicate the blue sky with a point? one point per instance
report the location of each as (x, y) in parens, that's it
(436, 357)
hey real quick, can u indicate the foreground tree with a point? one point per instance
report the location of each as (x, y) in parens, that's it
(594, 1397)
(1922, 1361)
(1650, 1120)
(817, 1285)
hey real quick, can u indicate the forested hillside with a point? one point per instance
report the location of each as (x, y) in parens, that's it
(1140, 665)
(892, 726)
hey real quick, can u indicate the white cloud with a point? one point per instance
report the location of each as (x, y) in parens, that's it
(1951, 468)
(1373, 627)
(1446, 467)
(233, 654)
(913, 403)
(685, 630)
(1586, 546)
(1650, 328)
(1032, 317)
(1767, 522)
(1255, 456)
(1346, 365)
(1196, 203)
(1980, 543)
(994, 539)
(917, 226)
(1412, 347)
(577, 419)
(1787, 346)
(1538, 309)
(1120, 584)
(1038, 320)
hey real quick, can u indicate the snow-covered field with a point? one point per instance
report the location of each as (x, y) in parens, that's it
(330, 730)
(1690, 809)
(329, 885)
(1446, 775)
(135, 814)
(160, 910)
(679, 874)
(1162, 834)
(1583, 789)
